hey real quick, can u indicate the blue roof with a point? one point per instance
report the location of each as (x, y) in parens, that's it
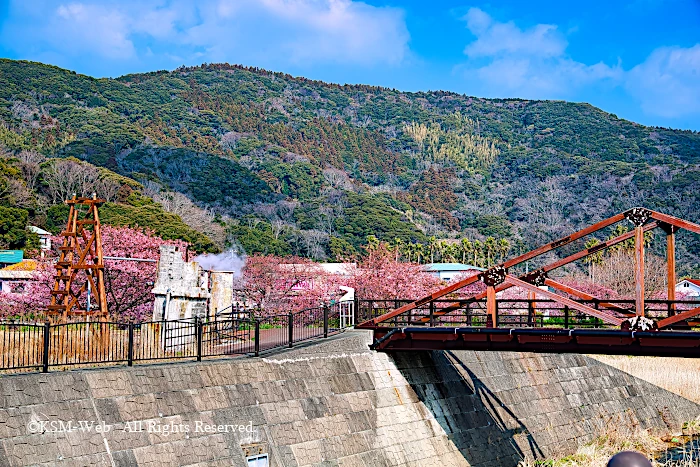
(441, 267)
(11, 256)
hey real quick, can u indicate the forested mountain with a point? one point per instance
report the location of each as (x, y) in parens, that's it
(292, 166)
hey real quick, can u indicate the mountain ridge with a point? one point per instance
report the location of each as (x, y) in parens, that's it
(448, 165)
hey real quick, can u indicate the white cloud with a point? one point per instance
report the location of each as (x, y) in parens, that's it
(531, 77)
(292, 31)
(494, 38)
(506, 60)
(667, 83)
(93, 27)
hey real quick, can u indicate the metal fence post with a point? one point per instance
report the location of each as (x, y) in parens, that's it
(198, 328)
(566, 317)
(257, 337)
(130, 349)
(47, 338)
(432, 314)
(291, 329)
(325, 321)
(356, 311)
(595, 320)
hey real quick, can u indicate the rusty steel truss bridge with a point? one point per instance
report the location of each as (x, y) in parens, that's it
(575, 321)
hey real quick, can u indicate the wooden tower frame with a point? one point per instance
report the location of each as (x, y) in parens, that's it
(80, 267)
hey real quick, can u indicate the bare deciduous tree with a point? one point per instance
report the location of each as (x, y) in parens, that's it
(315, 243)
(285, 210)
(278, 227)
(107, 189)
(64, 178)
(616, 272)
(29, 162)
(337, 179)
(19, 194)
(325, 219)
(201, 219)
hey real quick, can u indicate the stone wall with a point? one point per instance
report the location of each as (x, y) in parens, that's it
(330, 404)
(500, 407)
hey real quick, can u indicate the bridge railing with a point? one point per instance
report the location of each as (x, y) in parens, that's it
(513, 312)
(33, 346)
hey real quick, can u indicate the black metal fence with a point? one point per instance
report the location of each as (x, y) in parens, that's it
(514, 312)
(31, 346)
(27, 346)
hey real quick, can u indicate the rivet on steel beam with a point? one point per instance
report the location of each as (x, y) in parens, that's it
(638, 216)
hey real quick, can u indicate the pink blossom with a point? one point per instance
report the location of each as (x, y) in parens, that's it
(128, 284)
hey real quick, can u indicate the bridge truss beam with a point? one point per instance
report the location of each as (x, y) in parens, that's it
(497, 279)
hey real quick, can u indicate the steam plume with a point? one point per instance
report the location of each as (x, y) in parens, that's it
(226, 261)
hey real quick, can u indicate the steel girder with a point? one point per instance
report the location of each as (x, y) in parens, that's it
(497, 278)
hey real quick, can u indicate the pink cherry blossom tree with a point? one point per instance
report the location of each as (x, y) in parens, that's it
(380, 276)
(128, 284)
(273, 284)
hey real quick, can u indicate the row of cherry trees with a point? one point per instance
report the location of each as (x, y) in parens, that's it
(270, 284)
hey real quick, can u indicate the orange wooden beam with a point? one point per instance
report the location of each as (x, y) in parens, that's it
(680, 223)
(491, 305)
(557, 264)
(434, 296)
(510, 263)
(639, 270)
(671, 266)
(678, 317)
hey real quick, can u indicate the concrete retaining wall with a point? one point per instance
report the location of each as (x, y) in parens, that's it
(330, 404)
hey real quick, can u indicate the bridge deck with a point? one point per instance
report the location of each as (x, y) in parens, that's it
(584, 341)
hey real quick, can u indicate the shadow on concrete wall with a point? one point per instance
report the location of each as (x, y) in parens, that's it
(486, 432)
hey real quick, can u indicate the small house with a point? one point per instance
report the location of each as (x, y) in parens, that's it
(447, 271)
(689, 287)
(44, 237)
(15, 281)
(16, 277)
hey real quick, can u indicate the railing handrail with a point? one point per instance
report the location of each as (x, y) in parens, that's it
(464, 300)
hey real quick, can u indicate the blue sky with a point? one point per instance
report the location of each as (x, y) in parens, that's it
(639, 59)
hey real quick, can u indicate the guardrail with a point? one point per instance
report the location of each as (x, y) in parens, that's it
(513, 312)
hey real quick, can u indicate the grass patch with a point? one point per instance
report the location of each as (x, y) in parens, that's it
(678, 375)
(600, 450)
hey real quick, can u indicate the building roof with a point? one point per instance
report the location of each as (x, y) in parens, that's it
(16, 275)
(343, 269)
(11, 256)
(24, 265)
(38, 230)
(444, 267)
(692, 281)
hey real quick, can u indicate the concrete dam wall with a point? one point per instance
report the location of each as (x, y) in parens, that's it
(330, 404)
